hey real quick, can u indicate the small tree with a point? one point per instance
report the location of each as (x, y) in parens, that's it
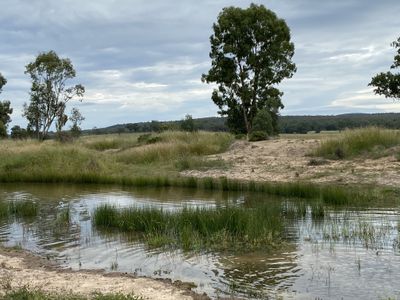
(5, 110)
(76, 118)
(49, 93)
(388, 84)
(18, 133)
(187, 124)
(251, 53)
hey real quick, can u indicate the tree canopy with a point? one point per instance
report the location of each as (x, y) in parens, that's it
(388, 84)
(251, 53)
(49, 93)
(5, 110)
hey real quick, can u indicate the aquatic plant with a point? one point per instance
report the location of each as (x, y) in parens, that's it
(221, 228)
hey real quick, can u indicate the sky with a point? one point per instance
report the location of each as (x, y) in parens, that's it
(142, 60)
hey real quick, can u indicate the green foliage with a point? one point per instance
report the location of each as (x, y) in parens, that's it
(23, 209)
(263, 122)
(49, 94)
(3, 82)
(3, 130)
(251, 52)
(256, 135)
(388, 84)
(222, 228)
(18, 133)
(5, 112)
(355, 142)
(187, 124)
(76, 118)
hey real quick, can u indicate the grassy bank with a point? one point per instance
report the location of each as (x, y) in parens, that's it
(224, 228)
(371, 141)
(109, 158)
(150, 160)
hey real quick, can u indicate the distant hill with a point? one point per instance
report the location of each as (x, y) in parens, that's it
(287, 124)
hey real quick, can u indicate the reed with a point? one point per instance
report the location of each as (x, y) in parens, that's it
(222, 228)
(23, 209)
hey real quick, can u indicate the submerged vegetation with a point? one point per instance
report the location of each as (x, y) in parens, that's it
(352, 143)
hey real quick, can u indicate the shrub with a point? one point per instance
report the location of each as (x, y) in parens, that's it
(257, 136)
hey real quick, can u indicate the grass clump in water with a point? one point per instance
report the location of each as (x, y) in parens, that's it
(221, 228)
(23, 209)
(356, 142)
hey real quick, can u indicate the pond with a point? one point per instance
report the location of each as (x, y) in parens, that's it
(341, 253)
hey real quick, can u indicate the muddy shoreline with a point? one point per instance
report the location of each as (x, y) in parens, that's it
(20, 268)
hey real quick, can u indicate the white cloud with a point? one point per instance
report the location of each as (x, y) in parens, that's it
(366, 100)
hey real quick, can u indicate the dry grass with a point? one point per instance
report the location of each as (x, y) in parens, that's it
(355, 142)
(90, 157)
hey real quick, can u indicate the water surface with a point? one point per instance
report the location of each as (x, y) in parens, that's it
(346, 254)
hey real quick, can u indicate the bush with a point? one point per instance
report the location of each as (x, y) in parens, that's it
(258, 136)
(188, 124)
(18, 133)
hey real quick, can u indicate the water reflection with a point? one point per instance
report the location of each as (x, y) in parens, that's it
(333, 254)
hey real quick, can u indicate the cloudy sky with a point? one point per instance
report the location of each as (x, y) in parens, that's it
(142, 60)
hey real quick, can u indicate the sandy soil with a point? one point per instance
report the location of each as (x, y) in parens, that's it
(286, 159)
(21, 269)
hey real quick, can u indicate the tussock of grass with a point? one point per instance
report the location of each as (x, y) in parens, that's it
(356, 142)
(19, 209)
(222, 228)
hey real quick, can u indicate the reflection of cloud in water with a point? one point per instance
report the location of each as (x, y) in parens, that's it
(308, 266)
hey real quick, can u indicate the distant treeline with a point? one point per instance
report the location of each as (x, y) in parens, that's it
(287, 124)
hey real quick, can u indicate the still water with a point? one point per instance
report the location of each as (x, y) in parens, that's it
(347, 254)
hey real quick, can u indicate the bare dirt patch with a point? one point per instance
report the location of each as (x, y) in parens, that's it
(287, 159)
(20, 269)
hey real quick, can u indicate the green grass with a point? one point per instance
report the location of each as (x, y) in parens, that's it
(23, 209)
(19, 209)
(221, 228)
(26, 294)
(356, 142)
(86, 161)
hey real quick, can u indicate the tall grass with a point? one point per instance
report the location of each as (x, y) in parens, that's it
(354, 142)
(19, 209)
(110, 141)
(82, 161)
(222, 228)
(177, 145)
